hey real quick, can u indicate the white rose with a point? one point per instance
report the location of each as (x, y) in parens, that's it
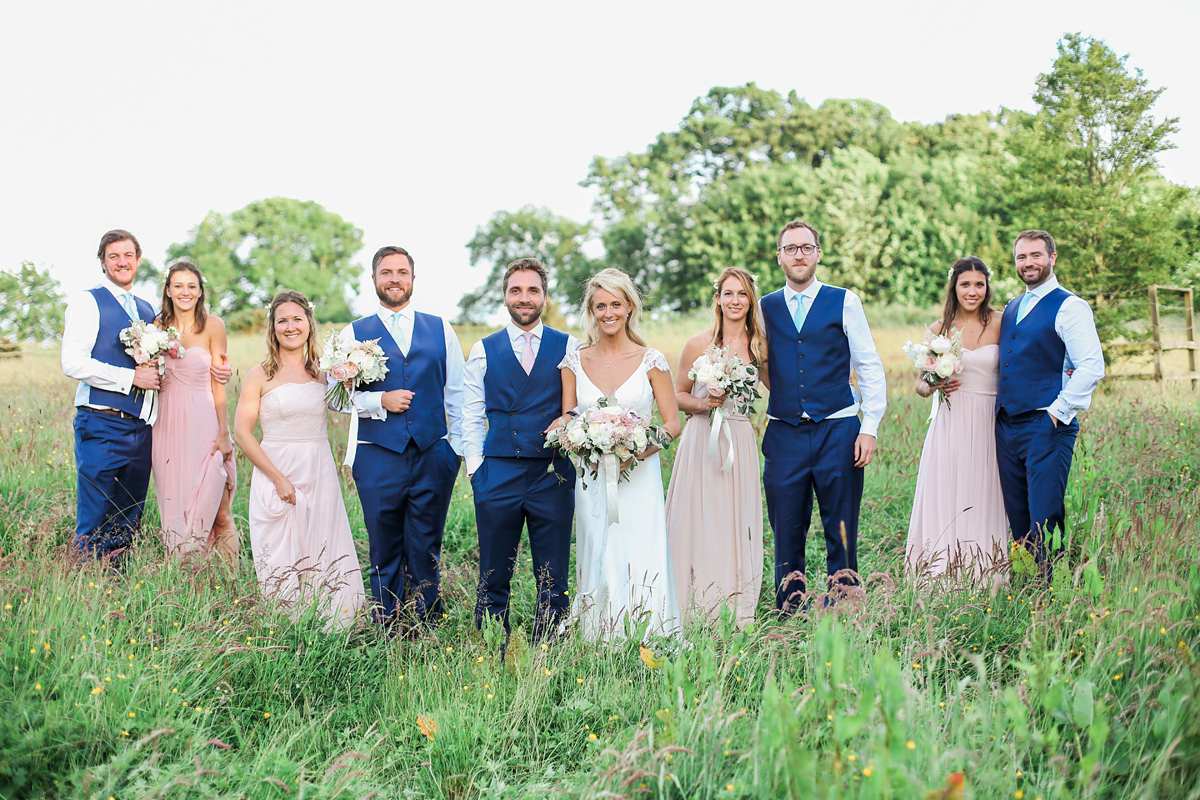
(940, 344)
(640, 440)
(576, 435)
(945, 367)
(705, 374)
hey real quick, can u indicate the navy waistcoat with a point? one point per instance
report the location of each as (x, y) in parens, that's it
(110, 350)
(422, 372)
(519, 406)
(809, 370)
(1031, 356)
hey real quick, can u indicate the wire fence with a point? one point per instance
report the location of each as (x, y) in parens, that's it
(1151, 332)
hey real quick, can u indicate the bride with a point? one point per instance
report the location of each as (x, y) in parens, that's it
(623, 566)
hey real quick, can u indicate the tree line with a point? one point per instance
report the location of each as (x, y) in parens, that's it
(896, 203)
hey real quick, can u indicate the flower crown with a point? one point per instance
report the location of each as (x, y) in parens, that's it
(987, 271)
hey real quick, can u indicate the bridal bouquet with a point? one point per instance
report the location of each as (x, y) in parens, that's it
(606, 429)
(147, 343)
(937, 358)
(351, 361)
(719, 368)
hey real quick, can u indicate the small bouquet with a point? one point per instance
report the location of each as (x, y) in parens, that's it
(353, 361)
(147, 343)
(719, 368)
(937, 358)
(606, 429)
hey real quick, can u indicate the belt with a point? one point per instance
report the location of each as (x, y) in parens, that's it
(112, 412)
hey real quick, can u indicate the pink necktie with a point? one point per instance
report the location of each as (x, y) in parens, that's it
(527, 353)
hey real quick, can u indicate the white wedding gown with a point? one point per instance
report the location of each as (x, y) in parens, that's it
(623, 569)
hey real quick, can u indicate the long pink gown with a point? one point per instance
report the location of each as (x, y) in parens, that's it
(303, 552)
(715, 519)
(189, 478)
(958, 518)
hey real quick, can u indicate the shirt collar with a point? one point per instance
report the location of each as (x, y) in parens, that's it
(1046, 288)
(810, 292)
(515, 333)
(117, 291)
(385, 313)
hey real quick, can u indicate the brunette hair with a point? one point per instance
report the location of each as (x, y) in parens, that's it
(1045, 237)
(967, 264)
(531, 264)
(796, 223)
(166, 317)
(270, 364)
(618, 284)
(118, 235)
(391, 250)
(757, 340)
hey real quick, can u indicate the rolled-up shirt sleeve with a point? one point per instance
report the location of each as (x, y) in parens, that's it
(1076, 326)
(865, 361)
(81, 325)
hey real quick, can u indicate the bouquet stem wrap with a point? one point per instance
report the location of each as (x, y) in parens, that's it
(351, 440)
(716, 422)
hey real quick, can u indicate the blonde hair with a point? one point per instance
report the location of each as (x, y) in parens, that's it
(756, 338)
(619, 285)
(270, 364)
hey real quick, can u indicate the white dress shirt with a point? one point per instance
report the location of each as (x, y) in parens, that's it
(474, 426)
(81, 326)
(370, 404)
(864, 358)
(1076, 326)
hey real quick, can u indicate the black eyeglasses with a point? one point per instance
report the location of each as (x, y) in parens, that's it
(805, 249)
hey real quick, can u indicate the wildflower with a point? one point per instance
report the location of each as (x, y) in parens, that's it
(1018, 794)
(266, 715)
(591, 737)
(98, 690)
(910, 744)
(867, 772)
(427, 726)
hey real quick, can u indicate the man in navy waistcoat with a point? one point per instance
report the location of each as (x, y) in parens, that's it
(512, 392)
(115, 403)
(816, 335)
(1044, 332)
(408, 441)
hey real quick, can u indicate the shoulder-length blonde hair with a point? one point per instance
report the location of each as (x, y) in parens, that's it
(270, 364)
(619, 285)
(756, 338)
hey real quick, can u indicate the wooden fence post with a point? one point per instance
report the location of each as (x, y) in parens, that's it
(1191, 331)
(1157, 332)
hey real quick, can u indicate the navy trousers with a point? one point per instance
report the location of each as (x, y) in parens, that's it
(405, 497)
(798, 461)
(511, 494)
(1034, 456)
(112, 461)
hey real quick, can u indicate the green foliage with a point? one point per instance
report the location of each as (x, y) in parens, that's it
(528, 233)
(275, 244)
(31, 305)
(1086, 172)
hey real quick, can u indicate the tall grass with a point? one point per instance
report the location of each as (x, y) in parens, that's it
(176, 679)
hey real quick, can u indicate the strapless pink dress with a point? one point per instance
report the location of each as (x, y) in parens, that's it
(958, 515)
(189, 478)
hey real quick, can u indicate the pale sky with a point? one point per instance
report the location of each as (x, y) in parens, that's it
(417, 121)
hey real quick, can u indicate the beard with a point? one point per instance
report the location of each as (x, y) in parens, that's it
(525, 316)
(405, 296)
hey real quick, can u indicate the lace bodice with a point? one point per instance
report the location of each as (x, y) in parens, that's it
(635, 393)
(294, 412)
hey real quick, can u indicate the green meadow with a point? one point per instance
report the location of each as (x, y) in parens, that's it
(178, 680)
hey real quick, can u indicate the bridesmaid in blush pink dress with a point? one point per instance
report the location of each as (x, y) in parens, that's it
(715, 515)
(192, 454)
(958, 521)
(303, 549)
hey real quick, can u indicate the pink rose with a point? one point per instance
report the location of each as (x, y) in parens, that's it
(343, 372)
(140, 356)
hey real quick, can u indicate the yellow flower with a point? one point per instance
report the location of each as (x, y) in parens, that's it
(591, 737)
(867, 772)
(132, 715)
(910, 744)
(98, 690)
(427, 726)
(729, 787)
(266, 715)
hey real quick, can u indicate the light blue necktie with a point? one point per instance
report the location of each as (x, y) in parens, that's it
(398, 332)
(1023, 306)
(127, 300)
(800, 314)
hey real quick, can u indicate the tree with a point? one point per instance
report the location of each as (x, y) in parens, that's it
(274, 244)
(1086, 171)
(31, 305)
(528, 233)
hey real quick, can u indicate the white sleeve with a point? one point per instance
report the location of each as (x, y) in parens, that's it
(474, 408)
(865, 361)
(80, 329)
(453, 391)
(1076, 326)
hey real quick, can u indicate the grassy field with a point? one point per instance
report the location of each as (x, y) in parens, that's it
(177, 680)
